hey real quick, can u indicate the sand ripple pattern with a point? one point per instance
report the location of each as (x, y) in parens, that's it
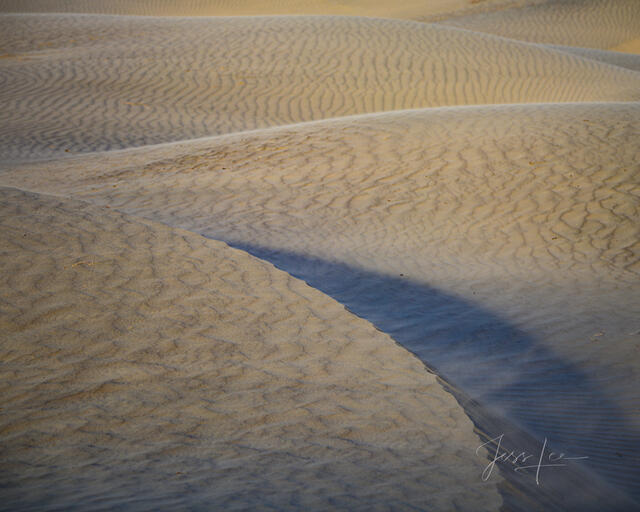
(78, 83)
(617, 58)
(150, 366)
(600, 24)
(506, 236)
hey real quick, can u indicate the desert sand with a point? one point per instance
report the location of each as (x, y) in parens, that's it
(604, 24)
(100, 83)
(449, 194)
(162, 363)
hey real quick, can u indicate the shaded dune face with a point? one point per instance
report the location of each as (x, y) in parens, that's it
(87, 83)
(150, 366)
(506, 236)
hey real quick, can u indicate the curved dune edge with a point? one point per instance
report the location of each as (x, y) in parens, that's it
(616, 58)
(577, 151)
(77, 83)
(604, 24)
(150, 364)
(513, 223)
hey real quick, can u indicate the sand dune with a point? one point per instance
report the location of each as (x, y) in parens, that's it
(604, 24)
(149, 364)
(464, 190)
(87, 83)
(522, 218)
(416, 166)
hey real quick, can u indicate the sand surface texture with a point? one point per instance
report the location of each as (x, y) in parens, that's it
(452, 209)
(445, 228)
(180, 372)
(85, 83)
(588, 23)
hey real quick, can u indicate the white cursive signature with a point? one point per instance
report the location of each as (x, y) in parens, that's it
(520, 461)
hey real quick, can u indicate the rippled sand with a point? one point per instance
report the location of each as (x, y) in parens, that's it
(159, 363)
(78, 83)
(462, 206)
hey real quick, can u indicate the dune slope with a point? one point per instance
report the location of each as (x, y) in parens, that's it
(77, 83)
(503, 236)
(150, 366)
(433, 233)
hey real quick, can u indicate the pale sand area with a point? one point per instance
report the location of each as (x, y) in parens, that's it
(632, 46)
(506, 236)
(407, 9)
(499, 243)
(151, 366)
(86, 83)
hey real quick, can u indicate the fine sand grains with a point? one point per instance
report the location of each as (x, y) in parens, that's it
(150, 366)
(78, 83)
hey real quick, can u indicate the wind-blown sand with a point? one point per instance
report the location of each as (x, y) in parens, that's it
(473, 197)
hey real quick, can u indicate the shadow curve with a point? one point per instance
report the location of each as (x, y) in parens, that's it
(507, 383)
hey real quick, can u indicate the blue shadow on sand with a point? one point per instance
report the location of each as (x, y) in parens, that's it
(507, 383)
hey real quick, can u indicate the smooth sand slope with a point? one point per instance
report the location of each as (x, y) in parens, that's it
(73, 83)
(150, 366)
(506, 236)
(408, 9)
